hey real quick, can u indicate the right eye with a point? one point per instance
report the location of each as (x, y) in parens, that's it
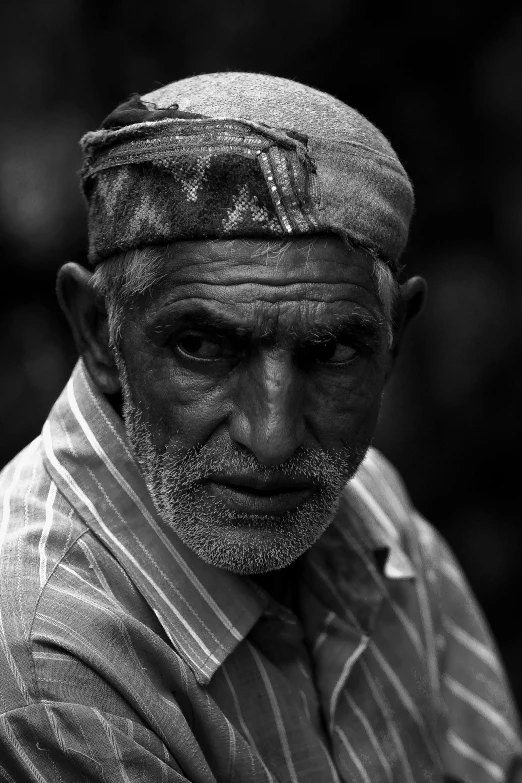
(332, 352)
(201, 347)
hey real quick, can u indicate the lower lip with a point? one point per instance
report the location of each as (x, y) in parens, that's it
(247, 502)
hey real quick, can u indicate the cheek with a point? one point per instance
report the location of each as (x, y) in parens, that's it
(343, 410)
(180, 407)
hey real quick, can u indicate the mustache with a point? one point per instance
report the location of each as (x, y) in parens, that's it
(195, 465)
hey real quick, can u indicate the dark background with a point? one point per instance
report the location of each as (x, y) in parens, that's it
(444, 82)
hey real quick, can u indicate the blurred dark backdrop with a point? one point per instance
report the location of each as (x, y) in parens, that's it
(444, 82)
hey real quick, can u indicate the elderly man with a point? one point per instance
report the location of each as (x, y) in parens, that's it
(207, 574)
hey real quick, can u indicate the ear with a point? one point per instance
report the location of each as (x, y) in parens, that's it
(411, 298)
(87, 317)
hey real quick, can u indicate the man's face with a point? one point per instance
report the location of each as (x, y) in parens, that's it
(252, 380)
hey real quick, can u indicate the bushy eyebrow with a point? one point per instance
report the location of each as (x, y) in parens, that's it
(356, 323)
(199, 318)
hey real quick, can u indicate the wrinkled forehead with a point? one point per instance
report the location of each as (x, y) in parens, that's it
(269, 290)
(322, 259)
(263, 286)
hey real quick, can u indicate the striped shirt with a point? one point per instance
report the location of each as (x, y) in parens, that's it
(125, 658)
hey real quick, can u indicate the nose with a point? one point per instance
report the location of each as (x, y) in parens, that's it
(268, 417)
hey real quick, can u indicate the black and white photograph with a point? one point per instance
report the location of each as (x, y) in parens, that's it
(260, 392)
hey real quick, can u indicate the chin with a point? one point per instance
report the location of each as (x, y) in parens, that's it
(251, 544)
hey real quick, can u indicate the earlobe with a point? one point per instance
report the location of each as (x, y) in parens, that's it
(87, 319)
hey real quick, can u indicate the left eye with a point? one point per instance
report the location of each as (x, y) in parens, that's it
(333, 352)
(198, 346)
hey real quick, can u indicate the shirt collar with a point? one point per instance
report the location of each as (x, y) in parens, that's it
(380, 510)
(205, 611)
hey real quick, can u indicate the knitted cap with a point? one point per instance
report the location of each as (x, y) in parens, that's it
(228, 155)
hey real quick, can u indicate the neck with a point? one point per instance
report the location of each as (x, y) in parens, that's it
(281, 585)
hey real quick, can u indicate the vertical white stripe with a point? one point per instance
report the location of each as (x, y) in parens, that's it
(375, 509)
(332, 768)
(45, 532)
(489, 713)
(407, 702)
(305, 706)
(23, 458)
(54, 725)
(353, 755)
(480, 650)
(231, 750)
(381, 476)
(29, 493)
(324, 633)
(344, 674)
(114, 744)
(244, 727)
(429, 632)
(277, 716)
(463, 749)
(96, 403)
(452, 573)
(371, 735)
(390, 722)
(302, 669)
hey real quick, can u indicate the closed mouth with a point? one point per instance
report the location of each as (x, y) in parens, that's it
(261, 486)
(249, 494)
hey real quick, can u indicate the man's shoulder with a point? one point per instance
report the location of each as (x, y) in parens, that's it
(381, 495)
(38, 525)
(31, 456)
(58, 582)
(24, 484)
(384, 480)
(28, 494)
(381, 499)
